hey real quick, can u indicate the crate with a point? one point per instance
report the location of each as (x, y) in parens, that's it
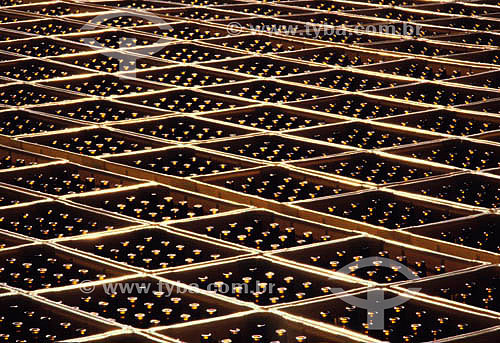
(56, 9)
(358, 106)
(146, 5)
(117, 19)
(64, 178)
(491, 106)
(184, 31)
(331, 19)
(488, 57)
(483, 38)
(383, 209)
(226, 227)
(99, 111)
(32, 70)
(178, 161)
(339, 6)
(269, 10)
(342, 35)
(278, 184)
(457, 322)
(450, 122)
(5, 3)
(187, 76)
(262, 24)
(199, 13)
(485, 80)
(185, 101)
(22, 122)
(476, 288)
(152, 249)
(263, 66)
(372, 168)
(474, 235)
(363, 135)
(469, 189)
(35, 266)
(465, 9)
(437, 94)
(50, 320)
(12, 18)
(10, 35)
(337, 56)
(156, 203)
(11, 197)
(54, 219)
(269, 91)
(8, 241)
(467, 23)
(15, 158)
(422, 48)
(409, 15)
(44, 27)
(259, 43)
(414, 30)
(418, 68)
(345, 80)
(187, 53)
(492, 136)
(455, 152)
(272, 117)
(262, 147)
(94, 142)
(184, 129)
(114, 39)
(261, 281)
(42, 47)
(340, 257)
(104, 85)
(169, 303)
(20, 94)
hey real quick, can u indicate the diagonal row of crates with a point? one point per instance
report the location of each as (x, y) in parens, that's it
(216, 171)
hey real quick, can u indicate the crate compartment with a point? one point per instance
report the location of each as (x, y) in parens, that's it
(184, 129)
(493, 136)
(182, 162)
(270, 10)
(12, 18)
(99, 111)
(335, 256)
(37, 267)
(21, 122)
(256, 226)
(152, 249)
(184, 31)
(104, 85)
(484, 57)
(156, 203)
(478, 232)
(263, 66)
(372, 168)
(13, 197)
(113, 39)
(47, 322)
(447, 122)
(482, 38)
(211, 3)
(146, 309)
(199, 13)
(362, 135)
(187, 76)
(185, 101)
(269, 91)
(491, 106)
(272, 148)
(341, 35)
(14, 158)
(456, 153)
(460, 8)
(278, 184)
(29, 94)
(326, 6)
(136, 4)
(54, 219)
(117, 19)
(332, 19)
(485, 80)
(44, 27)
(409, 29)
(259, 43)
(56, 9)
(42, 47)
(437, 94)
(344, 80)
(272, 118)
(470, 189)
(263, 24)
(124, 338)
(383, 209)
(111, 64)
(396, 14)
(467, 23)
(64, 178)
(337, 56)
(32, 70)
(187, 53)
(477, 288)
(357, 106)
(424, 69)
(421, 321)
(95, 142)
(422, 48)
(8, 241)
(255, 277)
